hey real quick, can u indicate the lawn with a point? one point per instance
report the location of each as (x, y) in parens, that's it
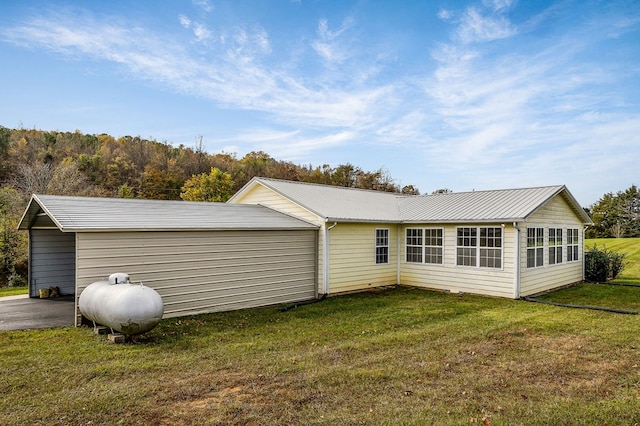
(13, 291)
(395, 356)
(629, 246)
(399, 356)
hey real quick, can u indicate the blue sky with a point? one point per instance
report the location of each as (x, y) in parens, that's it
(442, 94)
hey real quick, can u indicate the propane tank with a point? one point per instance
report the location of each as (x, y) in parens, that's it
(121, 305)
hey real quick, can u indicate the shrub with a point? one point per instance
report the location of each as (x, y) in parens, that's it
(602, 265)
(17, 281)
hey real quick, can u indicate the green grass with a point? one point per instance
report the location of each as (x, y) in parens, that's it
(631, 248)
(13, 291)
(402, 356)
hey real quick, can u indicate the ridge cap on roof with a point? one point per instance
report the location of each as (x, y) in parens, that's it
(325, 185)
(139, 200)
(557, 187)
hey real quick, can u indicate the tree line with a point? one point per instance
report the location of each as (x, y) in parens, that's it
(616, 215)
(74, 163)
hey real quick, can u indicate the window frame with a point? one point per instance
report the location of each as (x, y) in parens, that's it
(490, 248)
(382, 254)
(573, 245)
(477, 247)
(414, 242)
(555, 247)
(420, 244)
(537, 248)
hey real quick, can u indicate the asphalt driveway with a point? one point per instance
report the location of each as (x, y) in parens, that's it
(23, 313)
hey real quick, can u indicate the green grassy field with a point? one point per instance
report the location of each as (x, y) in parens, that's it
(401, 356)
(631, 248)
(13, 291)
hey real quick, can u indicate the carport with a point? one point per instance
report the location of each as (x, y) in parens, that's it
(200, 257)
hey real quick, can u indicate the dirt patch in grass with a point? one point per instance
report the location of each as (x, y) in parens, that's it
(490, 379)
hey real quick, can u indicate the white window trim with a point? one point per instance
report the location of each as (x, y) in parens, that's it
(478, 248)
(574, 243)
(544, 245)
(376, 246)
(424, 245)
(556, 246)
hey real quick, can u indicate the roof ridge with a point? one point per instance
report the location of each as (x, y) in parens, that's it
(324, 185)
(490, 190)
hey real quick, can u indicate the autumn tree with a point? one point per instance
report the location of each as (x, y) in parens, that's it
(216, 186)
(159, 184)
(13, 244)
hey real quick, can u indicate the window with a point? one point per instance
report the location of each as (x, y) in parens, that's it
(491, 247)
(485, 251)
(572, 245)
(382, 246)
(555, 246)
(535, 247)
(414, 245)
(466, 246)
(433, 246)
(424, 245)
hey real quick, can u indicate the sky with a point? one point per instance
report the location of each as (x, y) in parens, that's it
(463, 95)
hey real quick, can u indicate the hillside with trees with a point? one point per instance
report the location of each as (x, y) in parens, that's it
(73, 163)
(616, 215)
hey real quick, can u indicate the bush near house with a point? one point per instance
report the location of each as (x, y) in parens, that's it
(602, 265)
(629, 247)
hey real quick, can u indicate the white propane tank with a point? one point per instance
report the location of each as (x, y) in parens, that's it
(123, 306)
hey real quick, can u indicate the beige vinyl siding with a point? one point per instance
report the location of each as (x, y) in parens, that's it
(352, 261)
(450, 277)
(197, 272)
(259, 194)
(556, 213)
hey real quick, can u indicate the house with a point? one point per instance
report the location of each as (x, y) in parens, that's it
(507, 243)
(200, 257)
(279, 241)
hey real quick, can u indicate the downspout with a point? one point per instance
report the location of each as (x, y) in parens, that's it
(516, 266)
(325, 257)
(398, 257)
(584, 264)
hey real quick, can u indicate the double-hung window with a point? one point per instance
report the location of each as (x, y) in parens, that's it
(479, 246)
(555, 246)
(466, 250)
(382, 246)
(572, 245)
(491, 247)
(414, 245)
(535, 247)
(424, 245)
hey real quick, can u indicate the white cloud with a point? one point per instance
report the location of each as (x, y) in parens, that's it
(474, 27)
(184, 21)
(498, 5)
(201, 32)
(204, 5)
(328, 46)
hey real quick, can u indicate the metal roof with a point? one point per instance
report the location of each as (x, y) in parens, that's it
(336, 202)
(480, 206)
(86, 214)
(349, 204)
